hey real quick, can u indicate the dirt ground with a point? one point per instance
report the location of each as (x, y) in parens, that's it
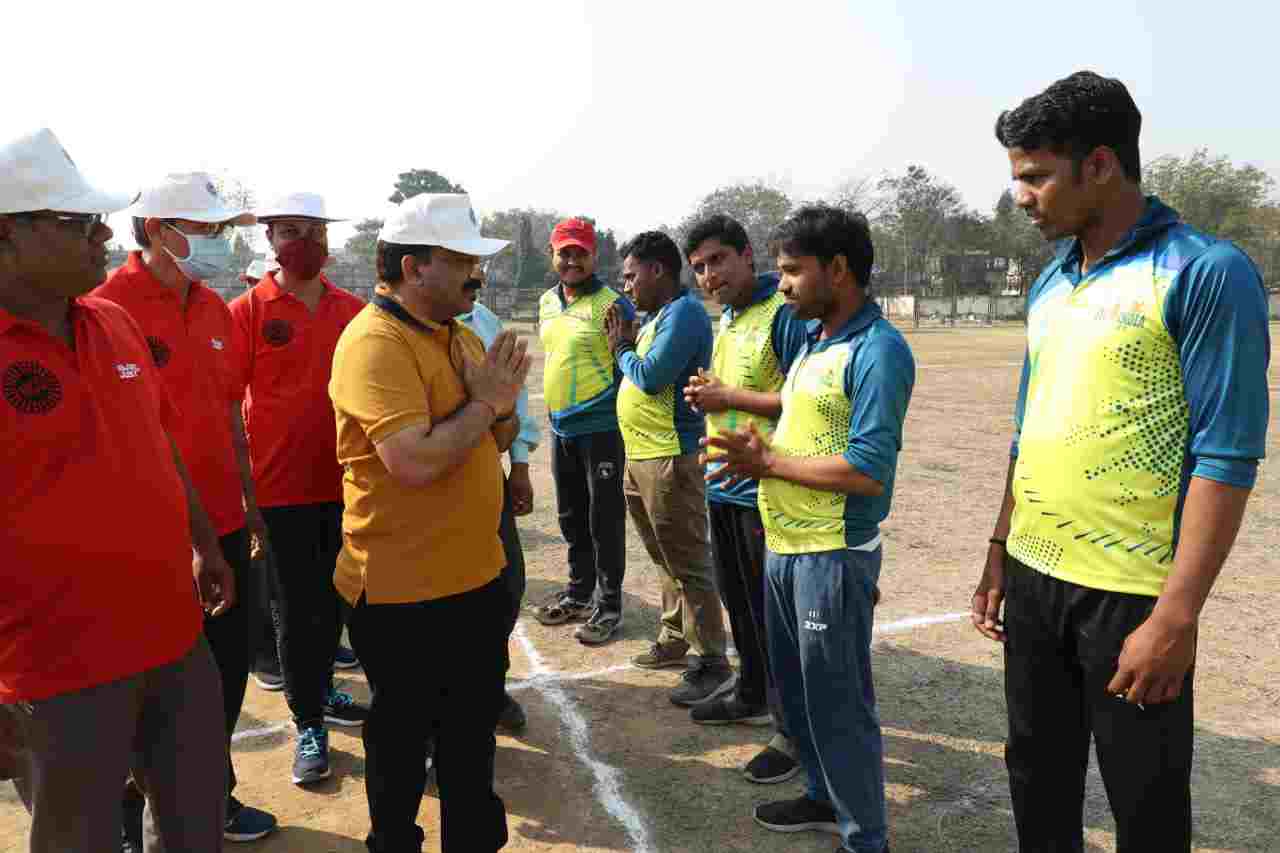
(609, 764)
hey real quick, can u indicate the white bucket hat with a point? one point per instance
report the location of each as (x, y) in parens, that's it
(439, 219)
(300, 205)
(187, 195)
(37, 173)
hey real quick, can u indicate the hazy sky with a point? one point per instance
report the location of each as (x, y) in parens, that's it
(627, 111)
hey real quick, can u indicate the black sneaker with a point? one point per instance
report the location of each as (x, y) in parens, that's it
(512, 719)
(730, 711)
(799, 815)
(773, 764)
(245, 823)
(701, 683)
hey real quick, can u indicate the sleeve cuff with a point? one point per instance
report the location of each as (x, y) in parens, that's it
(519, 452)
(860, 463)
(1242, 473)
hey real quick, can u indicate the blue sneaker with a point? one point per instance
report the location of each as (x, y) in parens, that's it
(341, 710)
(246, 824)
(311, 760)
(345, 659)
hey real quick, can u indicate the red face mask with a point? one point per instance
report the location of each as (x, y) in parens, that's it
(303, 258)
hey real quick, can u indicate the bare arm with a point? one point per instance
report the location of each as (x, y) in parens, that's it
(214, 579)
(828, 473)
(418, 455)
(505, 432)
(747, 456)
(987, 598)
(240, 446)
(706, 392)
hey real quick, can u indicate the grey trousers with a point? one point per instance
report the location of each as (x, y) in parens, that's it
(165, 725)
(667, 501)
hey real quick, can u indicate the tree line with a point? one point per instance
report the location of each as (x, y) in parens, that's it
(928, 241)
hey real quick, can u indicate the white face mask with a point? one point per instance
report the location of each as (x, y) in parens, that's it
(206, 258)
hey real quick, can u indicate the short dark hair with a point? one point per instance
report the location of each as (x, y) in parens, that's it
(651, 246)
(388, 258)
(824, 232)
(140, 232)
(1073, 117)
(717, 226)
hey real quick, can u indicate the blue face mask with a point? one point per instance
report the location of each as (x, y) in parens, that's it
(207, 257)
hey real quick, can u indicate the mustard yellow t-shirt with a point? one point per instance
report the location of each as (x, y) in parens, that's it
(403, 544)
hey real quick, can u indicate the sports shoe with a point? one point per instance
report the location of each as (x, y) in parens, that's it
(344, 658)
(512, 719)
(599, 628)
(773, 764)
(267, 675)
(702, 683)
(245, 823)
(799, 815)
(730, 711)
(674, 653)
(341, 710)
(311, 759)
(562, 608)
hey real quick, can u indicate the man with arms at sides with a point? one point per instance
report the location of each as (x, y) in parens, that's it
(517, 495)
(100, 644)
(664, 485)
(423, 413)
(1140, 420)
(179, 224)
(826, 482)
(287, 327)
(580, 386)
(759, 337)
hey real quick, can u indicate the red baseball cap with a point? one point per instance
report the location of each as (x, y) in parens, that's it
(574, 232)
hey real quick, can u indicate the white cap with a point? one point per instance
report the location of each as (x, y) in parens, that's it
(187, 195)
(301, 205)
(37, 173)
(438, 219)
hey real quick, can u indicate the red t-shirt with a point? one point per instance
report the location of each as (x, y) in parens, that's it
(192, 347)
(285, 354)
(95, 549)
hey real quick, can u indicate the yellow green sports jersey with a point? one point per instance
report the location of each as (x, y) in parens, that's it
(845, 395)
(753, 350)
(673, 344)
(1131, 385)
(579, 379)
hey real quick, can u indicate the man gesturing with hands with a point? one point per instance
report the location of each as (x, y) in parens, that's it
(423, 412)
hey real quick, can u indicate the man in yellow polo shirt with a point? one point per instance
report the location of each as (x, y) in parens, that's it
(422, 415)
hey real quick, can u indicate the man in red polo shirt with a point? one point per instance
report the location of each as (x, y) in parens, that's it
(180, 224)
(286, 329)
(100, 644)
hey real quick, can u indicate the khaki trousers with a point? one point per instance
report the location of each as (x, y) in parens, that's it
(667, 501)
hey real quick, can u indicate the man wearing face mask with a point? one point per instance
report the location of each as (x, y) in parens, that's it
(179, 224)
(286, 329)
(517, 498)
(103, 667)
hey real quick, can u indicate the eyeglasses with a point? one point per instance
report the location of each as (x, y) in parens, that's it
(197, 229)
(86, 223)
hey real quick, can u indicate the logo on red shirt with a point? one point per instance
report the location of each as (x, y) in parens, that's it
(31, 388)
(277, 332)
(160, 352)
(128, 370)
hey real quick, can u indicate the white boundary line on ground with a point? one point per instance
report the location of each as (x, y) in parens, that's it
(918, 622)
(557, 678)
(265, 731)
(608, 782)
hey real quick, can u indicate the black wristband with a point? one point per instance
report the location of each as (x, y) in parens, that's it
(508, 416)
(1001, 542)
